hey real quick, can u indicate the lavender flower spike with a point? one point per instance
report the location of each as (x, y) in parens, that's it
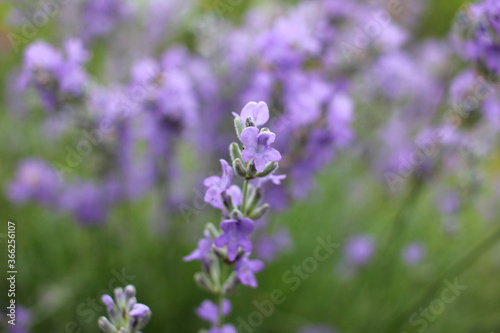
(235, 232)
(257, 147)
(258, 111)
(125, 314)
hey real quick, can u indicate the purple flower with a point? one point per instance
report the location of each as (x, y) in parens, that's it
(257, 147)
(413, 253)
(204, 246)
(42, 56)
(100, 17)
(268, 247)
(35, 180)
(216, 185)
(359, 250)
(246, 269)
(340, 116)
(23, 321)
(209, 311)
(87, 201)
(234, 236)
(275, 179)
(75, 51)
(258, 111)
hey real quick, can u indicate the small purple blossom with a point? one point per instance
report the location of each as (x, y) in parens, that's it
(413, 254)
(257, 147)
(203, 249)
(234, 236)
(209, 311)
(258, 111)
(359, 250)
(216, 185)
(246, 269)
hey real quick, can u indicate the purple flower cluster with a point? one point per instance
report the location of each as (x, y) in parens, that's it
(57, 76)
(477, 33)
(229, 246)
(125, 314)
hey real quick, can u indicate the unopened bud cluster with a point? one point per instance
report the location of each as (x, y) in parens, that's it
(125, 314)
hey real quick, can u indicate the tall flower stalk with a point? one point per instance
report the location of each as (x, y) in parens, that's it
(225, 251)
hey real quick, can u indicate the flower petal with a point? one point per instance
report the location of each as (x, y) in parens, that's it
(249, 137)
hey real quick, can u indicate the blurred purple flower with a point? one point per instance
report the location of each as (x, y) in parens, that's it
(100, 17)
(413, 254)
(246, 269)
(359, 250)
(268, 247)
(340, 117)
(203, 249)
(87, 202)
(209, 311)
(35, 180)
(23, 321)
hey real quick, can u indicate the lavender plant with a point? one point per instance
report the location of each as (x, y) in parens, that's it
(225, 251)
(125, 314)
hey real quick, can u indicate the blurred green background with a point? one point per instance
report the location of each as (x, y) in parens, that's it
(63, 267)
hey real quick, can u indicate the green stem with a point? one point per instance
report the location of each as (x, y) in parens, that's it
(245, 195)
(223, 277)
(220, 321)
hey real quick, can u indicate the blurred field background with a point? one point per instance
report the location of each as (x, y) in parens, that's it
(62, 265)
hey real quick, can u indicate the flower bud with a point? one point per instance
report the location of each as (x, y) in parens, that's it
(270, 168)
(113, 310)
(230, 284)
(234, 151)
(239, 169)
(236, 214)
(130, 291)
(106, 326)
(252, 171)
(253, 200)
(139, 317)
(238, 126)
(259, 212)
(130, 303)
(203, 281)
(120, 298)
